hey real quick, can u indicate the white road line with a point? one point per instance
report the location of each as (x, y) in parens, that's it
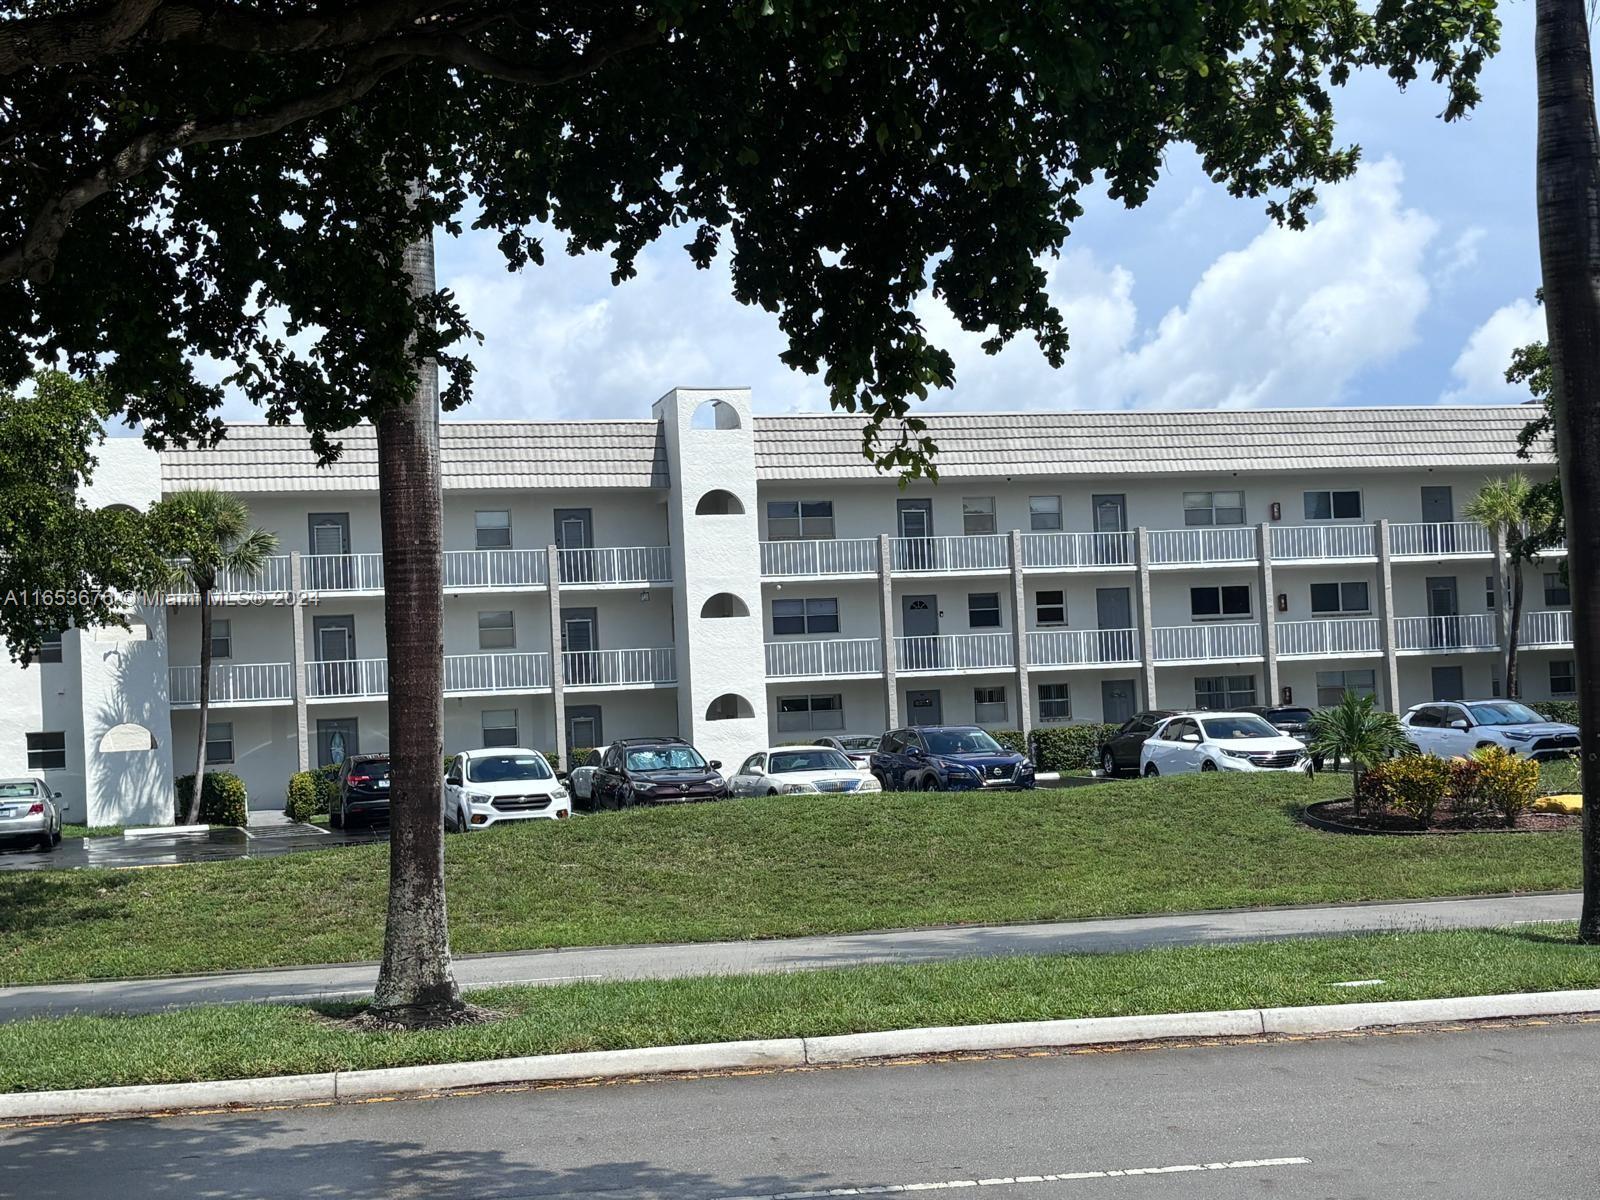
(949, 1185)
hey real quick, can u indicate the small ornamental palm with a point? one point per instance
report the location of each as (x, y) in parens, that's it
(1358, 730)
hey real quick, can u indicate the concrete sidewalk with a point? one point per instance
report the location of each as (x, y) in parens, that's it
(791, 954)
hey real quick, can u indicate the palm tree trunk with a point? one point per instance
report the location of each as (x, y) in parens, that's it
(1513, 684)
(205, 704)
(416, 985)
(1569, 258)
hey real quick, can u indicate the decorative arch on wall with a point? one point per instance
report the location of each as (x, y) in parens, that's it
(724, 604)
(715, 414)
(127, 738)
(719, 502)
(730, 706)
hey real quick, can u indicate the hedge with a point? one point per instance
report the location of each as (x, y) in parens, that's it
(223, 800)
(1060, 748)
(301, 799)
(1556, 710)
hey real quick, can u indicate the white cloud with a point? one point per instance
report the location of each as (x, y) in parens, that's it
(1461, 255)
(1480, 369)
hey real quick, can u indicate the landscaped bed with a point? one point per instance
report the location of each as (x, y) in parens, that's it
(1342, 816)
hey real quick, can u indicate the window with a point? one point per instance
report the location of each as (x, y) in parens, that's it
(1044, 513)
(977, 515)
(1563, 677)
(499, 727)
(47, 752)
(1489, 593)
(793, 520)
(815, 615)
(1232, 600)
(493, 530)
(1055, 702)
(1333, 506)
(798, 713)
(1213, 508)
(219, 741)
(1218, 693)
(496, 631)
(983, 610)
(50, 649)
(221, 639)
(989, 705)
(1556, 591)
(1339, 597)
(1050, 608)
(1332, 685)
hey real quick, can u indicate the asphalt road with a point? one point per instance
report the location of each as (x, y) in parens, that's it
(215, 845)
(1475, 1114)
(792, 954)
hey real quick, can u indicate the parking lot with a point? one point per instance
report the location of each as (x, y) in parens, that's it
(216, 845)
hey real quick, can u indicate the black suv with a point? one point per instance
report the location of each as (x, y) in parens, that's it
(654, 771)
(1121, 750)
(363, 791)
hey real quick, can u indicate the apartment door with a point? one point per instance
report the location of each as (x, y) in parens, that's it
(1118, 700)
(337, 737)
(583, 730)
(580, 636)
(1439, 510)
(1448, 684)
(1113, 609)
(328, 535)
(925, 707)
(1110, 516)
(919, 628)
(333, 644)
(1444, 625)
(914, 521)
(575, 531)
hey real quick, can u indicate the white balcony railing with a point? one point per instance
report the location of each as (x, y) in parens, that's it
(348, 677)
(233, 683)
(1043, 551)
(951, 555)
(1547, 628)
(1333, 636)
(602, 668)
(342, 572)
(954, 652)
(615, 564)
(826, 658)
(272, 580)
(506, 672)
(1183, 547)
(819, 556)
(473, 569)
(1207, 643)
(1471, 631)
(1082, 647)
(1291, 543)
(1438, 539)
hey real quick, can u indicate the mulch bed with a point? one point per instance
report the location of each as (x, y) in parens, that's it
(1339, 816)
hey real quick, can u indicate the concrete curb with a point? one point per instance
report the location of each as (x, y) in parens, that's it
(334, 1086)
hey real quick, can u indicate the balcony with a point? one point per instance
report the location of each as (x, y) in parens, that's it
(953, 652)
(1207, 643)
(273, 580)
(348, 678)
(1076, 551)
(233, 684)
(477, 674)
(1329, 638)
(487, 570)
(1082, 647)
(482, 570)
(819, 557)
(1439, 539)
(615, 566)
(1202, 547)
(824, 659)
(1547, 628)
(342, 572)
(963, 555)
(1422, 635)
(1323, 543)
(619, 668)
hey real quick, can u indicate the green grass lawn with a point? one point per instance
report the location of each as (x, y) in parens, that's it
(767, 867)
(91, 831)
(248, 1040)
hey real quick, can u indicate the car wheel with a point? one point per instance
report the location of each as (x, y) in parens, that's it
(1150, 772)
(930, 783)
(1485, 745)
(883, 783)
(336, 817)
(1108, 762)
(1208, 765)
(47, 842)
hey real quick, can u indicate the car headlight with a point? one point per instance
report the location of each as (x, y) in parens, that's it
(479, 798)
(644, 787)
(1235, 753)
(870, 784)
(1518, 737)
(1025, 765)
(791, 789)
(559, 794)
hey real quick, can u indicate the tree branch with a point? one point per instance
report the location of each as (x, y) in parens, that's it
(459, 51)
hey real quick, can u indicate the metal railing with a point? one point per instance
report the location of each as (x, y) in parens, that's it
(1338, 635)
(600, 668)
(1203, 643)
(615, 564)
(348, 677)
(1470, 631)
(1299, 542)
(468, 569)
(272, 580)
(342, 572)
(1438, 539)
(1552, 628)
(837, 656)
(505, 672)
(976, 552)
(1065, 550)
(819, 556)
(954, 652)
(1074, 647)
(1230, 544)
(233, 683)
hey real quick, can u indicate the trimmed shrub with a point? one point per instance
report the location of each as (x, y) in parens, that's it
(1067, 748)
(1555, 710)
(1012, 740)
(304, 798)
(223, 800)
(1508, 785)
(1466, 786)
(1413, 785)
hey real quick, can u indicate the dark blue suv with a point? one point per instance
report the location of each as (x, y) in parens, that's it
(957, 758)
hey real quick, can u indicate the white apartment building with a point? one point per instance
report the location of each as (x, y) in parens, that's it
(736, 579)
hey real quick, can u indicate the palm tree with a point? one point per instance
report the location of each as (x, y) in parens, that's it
(1358, 730)
(1509, 508)
(212, 531)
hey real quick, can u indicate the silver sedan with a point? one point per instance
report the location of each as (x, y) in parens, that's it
(28, 809)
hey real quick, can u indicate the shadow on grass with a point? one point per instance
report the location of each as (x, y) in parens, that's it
(1541, 937)
(32, 901)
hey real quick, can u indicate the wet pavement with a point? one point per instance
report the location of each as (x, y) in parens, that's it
(216, 845)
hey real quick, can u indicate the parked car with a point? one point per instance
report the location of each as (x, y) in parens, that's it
(794, 769)
(29, 809)
(1293, 719)
(503, 783)
(654, 771)
(857, 749)
(1220, 741)
(363, 795)
(1121, 750)
(580, 780)
(936, 758)
(1454, 729)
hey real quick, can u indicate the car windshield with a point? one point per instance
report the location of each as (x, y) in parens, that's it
(665, 758)
(859, 743)
(375, 768)
(503, 768)
(961, 741)
(1223, 729)
(795, 761)
(17, 789)
(1503, 712)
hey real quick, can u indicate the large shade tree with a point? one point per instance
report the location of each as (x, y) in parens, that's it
(183, 168)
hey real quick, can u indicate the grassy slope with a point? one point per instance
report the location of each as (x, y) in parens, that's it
(247, 1040)
(766, 867)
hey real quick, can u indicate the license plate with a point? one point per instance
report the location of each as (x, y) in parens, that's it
(7, 812)
(383, 783)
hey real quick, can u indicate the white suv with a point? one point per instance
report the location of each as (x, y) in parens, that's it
(1455, 728)
(499, 784)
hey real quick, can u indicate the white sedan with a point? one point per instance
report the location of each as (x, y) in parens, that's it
(505, 783)
(1220, 742)
(799, 769)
